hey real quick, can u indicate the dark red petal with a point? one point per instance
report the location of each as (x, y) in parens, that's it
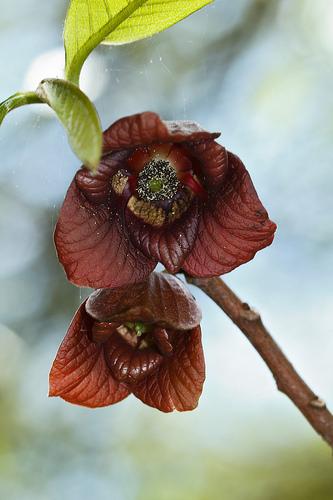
(179, 159)
(161, 299)
(162, 341)
(133, 183)
(177, 383)
(233, 227)
(161, 150)
(138, 159)
(79, 373)
(169, 244)
(188, 180)
(146, 128)
(93, 246)
(96, 187)
(101, 332)
(213, 159)
(127, 364)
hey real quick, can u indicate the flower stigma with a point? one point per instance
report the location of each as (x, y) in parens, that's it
(138, 327)
(155, 185)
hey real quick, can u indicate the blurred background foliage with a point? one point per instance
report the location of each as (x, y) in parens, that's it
(261, 72)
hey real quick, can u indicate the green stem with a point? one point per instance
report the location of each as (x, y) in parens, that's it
(74, 70)
(17, 100)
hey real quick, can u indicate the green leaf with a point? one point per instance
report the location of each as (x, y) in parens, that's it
(79, 117)
(91, 22)
(153, 17)
(17, 100)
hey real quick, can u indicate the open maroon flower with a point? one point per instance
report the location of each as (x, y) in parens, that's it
(143, 339)
(164, 192)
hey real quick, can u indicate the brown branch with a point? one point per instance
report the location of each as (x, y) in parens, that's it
(287, 379)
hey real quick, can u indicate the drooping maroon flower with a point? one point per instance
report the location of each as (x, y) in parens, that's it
(143, 339)
(164, 192)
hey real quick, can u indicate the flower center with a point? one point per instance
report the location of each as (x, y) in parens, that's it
(155, 185)
(138, 327)
(157, 181)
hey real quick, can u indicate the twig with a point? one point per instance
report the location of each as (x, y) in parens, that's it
(287, 379)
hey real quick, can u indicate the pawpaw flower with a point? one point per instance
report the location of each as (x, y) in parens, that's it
(164, 192)
(143, 339)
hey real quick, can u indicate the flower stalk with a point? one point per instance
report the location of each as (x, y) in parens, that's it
(17, 100)
(288, 381)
